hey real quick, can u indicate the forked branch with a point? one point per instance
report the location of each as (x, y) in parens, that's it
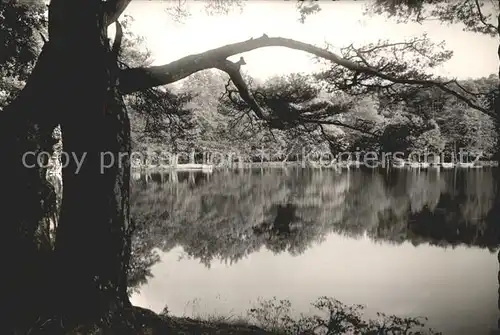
(233, 70)
(483, 19)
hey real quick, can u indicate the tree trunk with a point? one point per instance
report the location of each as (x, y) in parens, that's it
(497, 103)
(73, 84)
(93, 235)
(26, 126)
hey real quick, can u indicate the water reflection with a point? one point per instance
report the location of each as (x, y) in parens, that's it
(300, 234)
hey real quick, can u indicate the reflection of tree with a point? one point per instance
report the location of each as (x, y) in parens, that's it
(462, 214)
(231, 215)
(281, 233)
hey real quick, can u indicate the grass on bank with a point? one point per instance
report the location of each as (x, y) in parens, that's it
(266, 317)
(274, 316)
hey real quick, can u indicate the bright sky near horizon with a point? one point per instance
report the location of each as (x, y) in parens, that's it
(340, 23)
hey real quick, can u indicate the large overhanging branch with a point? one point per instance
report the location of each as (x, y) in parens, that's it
(137, 79)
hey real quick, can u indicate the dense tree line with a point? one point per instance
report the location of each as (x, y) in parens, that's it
(427, 120)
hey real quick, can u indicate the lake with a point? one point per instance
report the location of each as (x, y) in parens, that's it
(405, 242)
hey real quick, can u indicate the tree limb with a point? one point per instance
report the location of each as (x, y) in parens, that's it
(338, 124)
(44, 39)
(117, 43)
(113, 9)
(233, 70)
(137, 79)
(482, 18)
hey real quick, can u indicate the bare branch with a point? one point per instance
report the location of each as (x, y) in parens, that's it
(482, 18)
(132, 80)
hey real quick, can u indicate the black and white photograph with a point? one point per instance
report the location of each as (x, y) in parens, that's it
(246, 167)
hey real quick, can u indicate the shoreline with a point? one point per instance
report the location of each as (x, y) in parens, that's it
(255, 165)
(142, 321)
(150, 322)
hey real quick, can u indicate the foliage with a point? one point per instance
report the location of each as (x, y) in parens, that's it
(207, 118)
(197, 115)
(181, 10)
(408, 60)
(306, 8)
(20, 26)
(476, 16)
(133, 51)
(165, 119)
(334, 318)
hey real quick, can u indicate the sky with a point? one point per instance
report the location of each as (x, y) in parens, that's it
(339, 23)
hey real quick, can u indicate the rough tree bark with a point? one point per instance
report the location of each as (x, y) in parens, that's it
(74, 84)
(93, 235)
(24, 127)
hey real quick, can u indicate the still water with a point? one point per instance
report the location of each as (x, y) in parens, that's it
(404, 242)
